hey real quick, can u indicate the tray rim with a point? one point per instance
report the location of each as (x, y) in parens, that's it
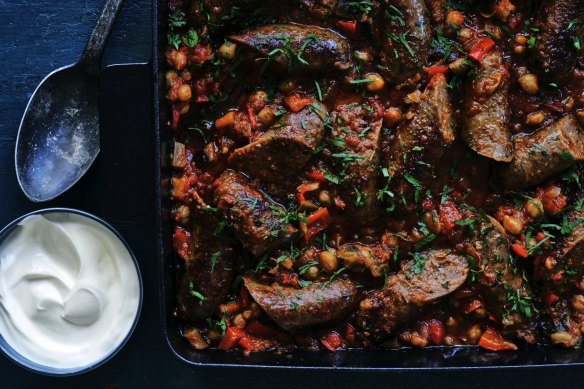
(233, 360)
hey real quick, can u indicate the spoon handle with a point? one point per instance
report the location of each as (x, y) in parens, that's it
(92, 55)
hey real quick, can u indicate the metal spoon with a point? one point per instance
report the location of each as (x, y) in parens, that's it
(58, 138)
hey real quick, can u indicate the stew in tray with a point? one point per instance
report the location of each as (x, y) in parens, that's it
(377, 173)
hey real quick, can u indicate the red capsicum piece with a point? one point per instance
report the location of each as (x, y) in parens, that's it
(491, 340)
(232, 336)
(481, 48)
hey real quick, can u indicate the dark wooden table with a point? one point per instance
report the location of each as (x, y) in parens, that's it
(37, 36)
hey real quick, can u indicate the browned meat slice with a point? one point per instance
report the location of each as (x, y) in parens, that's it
(280, 154)
(259, 222)
(560, 23)
(544, 154)
(357, 257)
(296, 309)
(208, 274)
(486, 122)
(420, 143)
(403, 29)
(428, 277)
(355, 137)
(296, 49)
(500, 282)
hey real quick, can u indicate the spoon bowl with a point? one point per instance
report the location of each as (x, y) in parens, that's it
(58, 138)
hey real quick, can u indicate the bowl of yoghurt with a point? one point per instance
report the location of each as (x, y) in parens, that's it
(70, 291)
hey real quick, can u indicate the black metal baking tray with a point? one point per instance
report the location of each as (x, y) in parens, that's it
(467, 357)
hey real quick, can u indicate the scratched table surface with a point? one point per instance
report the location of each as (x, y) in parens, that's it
(37, 36)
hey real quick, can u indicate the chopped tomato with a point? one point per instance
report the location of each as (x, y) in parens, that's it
(481, 48)
(319, 217)
(316, 175)
(288, 279)
(229, 308)
(436, 331)
(472, 306)
(549, 298)
(557, 276)
(448, 214)
(256, 328)
(348, 26)
(317, 221)
(491, 340)
(182, 243)
(231, 338)
(332, 341)
(553, 202)
(302, 189)
(296, 101)
(437, 69)
(520, 250)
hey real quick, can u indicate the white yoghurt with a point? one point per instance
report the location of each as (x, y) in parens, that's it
(69, 290)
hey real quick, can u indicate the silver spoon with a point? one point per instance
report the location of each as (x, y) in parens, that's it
(58, 138)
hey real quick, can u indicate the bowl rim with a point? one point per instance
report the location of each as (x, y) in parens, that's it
(14, 356)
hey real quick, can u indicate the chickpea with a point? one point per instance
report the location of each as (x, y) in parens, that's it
(418, 341)
(533, 207)
(171, 77)
(480, 313)
(247, 314)
(466, 33)
(562, 338)
(448, 341)
(184, 92)
(474, 333)
(377, 84)
(362, 55)
(550, 263)
(578, 303)
(324, 197)
(227, 50)
(311, 273)
(534, 118)
(580, 116)
(460, 65)
(455, 17)
(266, 116)
(519, 49)
(239, 321)
(512, 224)
(451, 322)
(328, 261)
(580, 285)
(391, 116)
(528, 83)
(287, 263)
(432, 221)
(520, 39)
(185, 108)
(178, 59)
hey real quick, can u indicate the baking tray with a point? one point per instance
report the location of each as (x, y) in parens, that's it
(430, 358)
